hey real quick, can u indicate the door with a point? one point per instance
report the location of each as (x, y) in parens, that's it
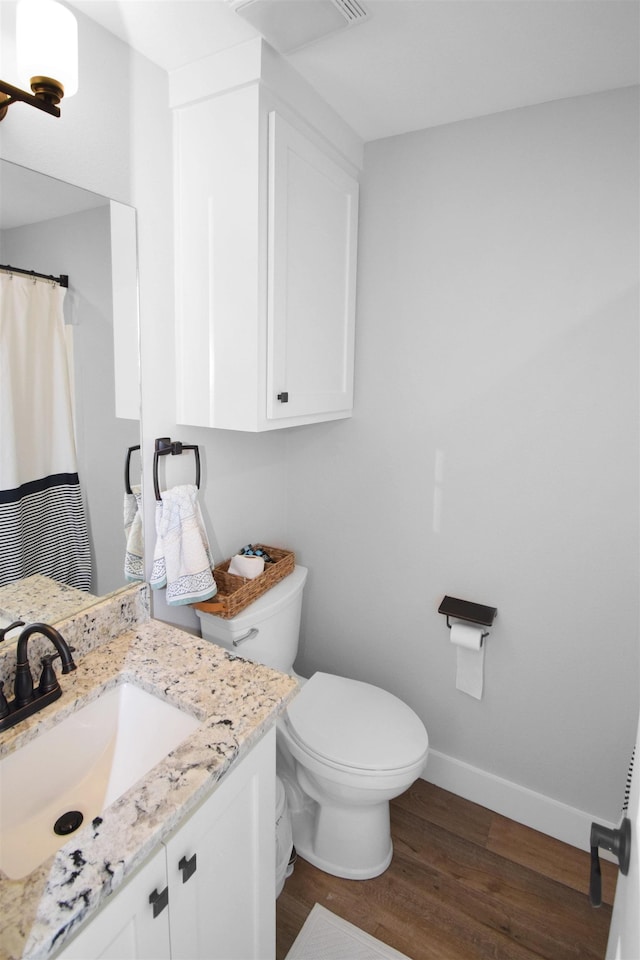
(133, 924)
(221, 867)
(624, 934)
(313, 222)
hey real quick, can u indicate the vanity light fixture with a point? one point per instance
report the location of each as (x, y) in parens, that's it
(46, 55)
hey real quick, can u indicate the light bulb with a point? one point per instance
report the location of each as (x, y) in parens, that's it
(47, 43)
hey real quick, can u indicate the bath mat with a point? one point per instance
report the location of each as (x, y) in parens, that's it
(325, 936)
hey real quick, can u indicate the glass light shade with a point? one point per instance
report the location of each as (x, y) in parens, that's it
(47, 43)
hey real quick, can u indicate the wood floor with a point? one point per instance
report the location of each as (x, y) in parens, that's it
(464, 884)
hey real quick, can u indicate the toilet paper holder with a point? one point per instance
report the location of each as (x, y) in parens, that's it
(469, 612)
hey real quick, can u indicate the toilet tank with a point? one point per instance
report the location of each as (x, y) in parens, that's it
(267, 631)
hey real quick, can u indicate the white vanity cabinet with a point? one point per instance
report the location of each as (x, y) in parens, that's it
(209, 891)
(266, 236)
(126, 927)
(221, 868)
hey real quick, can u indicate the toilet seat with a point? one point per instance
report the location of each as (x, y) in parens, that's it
(356, 726)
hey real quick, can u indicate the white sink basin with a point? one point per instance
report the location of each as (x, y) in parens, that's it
(82, 764)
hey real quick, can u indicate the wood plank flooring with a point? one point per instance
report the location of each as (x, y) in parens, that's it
(464, 884)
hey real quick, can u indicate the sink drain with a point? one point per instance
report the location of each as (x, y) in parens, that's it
(68, 822)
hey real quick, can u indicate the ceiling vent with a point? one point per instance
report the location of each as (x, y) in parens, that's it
(351, 10)
(289, 25)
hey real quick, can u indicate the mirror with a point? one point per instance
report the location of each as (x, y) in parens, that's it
(56, 228)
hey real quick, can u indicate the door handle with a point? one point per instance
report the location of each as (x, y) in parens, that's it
(617, 842)
(188, 867)
(159, 901)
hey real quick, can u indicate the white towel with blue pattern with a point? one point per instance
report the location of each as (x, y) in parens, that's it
(182, 560)
(134, 552)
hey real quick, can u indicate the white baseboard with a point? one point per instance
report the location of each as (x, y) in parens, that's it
(511, 800)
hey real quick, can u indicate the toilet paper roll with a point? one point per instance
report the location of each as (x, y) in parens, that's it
(248, 567)
(467, 637)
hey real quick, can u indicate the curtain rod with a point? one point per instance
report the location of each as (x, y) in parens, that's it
(63, 279)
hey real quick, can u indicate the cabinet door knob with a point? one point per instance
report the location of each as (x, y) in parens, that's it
(188, 867)
(283, 397)
(159, 901)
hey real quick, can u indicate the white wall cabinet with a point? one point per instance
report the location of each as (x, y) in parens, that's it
(266, 242)
(209, 892)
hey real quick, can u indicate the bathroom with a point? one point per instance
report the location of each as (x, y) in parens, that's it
(493, 450)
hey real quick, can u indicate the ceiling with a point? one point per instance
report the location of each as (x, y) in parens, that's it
(412, 64)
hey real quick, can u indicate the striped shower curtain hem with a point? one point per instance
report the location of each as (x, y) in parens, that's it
(44, 531)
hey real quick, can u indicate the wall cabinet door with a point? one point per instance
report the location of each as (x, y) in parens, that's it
(209, 892)
(313, 218)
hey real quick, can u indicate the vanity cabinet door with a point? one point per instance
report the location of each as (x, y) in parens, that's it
(126, 928)
(221, 868)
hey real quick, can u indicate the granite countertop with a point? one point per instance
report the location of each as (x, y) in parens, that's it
(38, 598)
(236, 702)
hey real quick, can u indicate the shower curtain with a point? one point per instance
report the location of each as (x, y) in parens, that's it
(43, 528)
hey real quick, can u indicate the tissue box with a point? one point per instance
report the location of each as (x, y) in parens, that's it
(235, 593)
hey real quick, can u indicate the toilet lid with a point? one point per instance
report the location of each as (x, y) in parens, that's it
(355, 724)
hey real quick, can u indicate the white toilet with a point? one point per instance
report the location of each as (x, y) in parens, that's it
(345, 748)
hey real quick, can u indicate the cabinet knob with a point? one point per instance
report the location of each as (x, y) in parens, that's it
(159, 901)
(188, 867)
(283, 397)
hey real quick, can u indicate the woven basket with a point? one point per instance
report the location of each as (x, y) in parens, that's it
(235, 593)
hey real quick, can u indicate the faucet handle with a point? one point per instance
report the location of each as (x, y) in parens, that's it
(48, 679)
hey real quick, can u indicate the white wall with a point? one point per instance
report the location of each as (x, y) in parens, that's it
(493, 452)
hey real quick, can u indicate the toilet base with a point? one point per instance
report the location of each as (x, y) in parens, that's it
(339, 870)
(349, 842)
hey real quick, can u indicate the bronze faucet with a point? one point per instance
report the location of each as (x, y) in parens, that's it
(26, 701)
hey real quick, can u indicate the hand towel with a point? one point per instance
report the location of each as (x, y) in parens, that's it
(133, 557)
(182, 558)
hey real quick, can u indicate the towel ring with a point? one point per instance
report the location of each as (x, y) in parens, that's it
(127, 467)
(163, 446)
